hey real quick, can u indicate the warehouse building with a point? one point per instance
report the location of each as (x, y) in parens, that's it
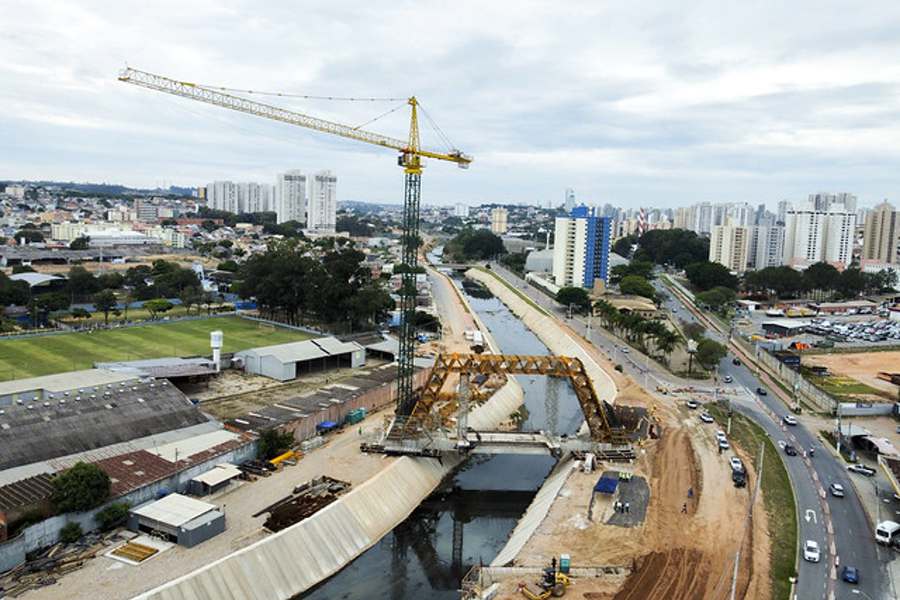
(288, 361)
(784, 327)
(180, 519)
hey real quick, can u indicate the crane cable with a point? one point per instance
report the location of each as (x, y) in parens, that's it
(437, 129)
(370, 121)
(303, 96)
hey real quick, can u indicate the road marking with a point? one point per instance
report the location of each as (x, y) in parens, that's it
(811, 516)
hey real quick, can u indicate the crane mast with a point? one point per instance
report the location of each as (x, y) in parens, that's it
(410, 158)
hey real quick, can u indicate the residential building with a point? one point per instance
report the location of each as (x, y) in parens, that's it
(729, 245)
(254, 198)
(16, 191)
(499, 220)
(461, 210)
(145, 210)
(813, 235)
(766, 247)
(824, 201)
(290, 197)
(222, 195)
(581, 253)
(783, 207)
(321, 214)
(881, 234)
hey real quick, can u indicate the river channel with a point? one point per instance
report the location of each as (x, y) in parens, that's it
(470, 517)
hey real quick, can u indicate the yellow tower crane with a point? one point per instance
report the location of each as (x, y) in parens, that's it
(410, 159)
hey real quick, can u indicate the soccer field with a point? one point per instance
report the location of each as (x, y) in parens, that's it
(30, 357)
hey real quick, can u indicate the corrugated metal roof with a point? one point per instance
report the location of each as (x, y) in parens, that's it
(33, 279)
(174, 510)
(183, 449)
(333, 346)
(292, 352)
(218, 474)
(61, 382)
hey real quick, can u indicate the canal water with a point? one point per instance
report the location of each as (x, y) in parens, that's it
(470, 518)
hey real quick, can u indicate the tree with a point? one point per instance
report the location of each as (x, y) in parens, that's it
(138, 276)
(785, 282)
(821, 276)
(623, 245)
(472, 244)
(70, 533)
(228, 265)
(851, 283)
(576, 296)
(104, 302)
(80, 313)
(677, 247)
(80, 488)
(41, 306)
(113, 515)
(693, 330)
(641, 268)
(710, 352)
(707, 275)
(637, 286)
(718, 298)
(273, 442)
(81, 283)
(156, 306)
(22, 269)
(30, 236)
(13, 292)
(515, 262)
(80, 243)
(189, 296)
(110, 281)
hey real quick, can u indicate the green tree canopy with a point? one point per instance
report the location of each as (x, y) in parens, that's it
(81, 282)
(707, 275)
(717, 298)
(638, 286)
(80, 243)
(710, 352)
(474, 244)
(104, 302)
(641, 268)
(784, 282)
(821, 276)
(273, 442)
(80, 488)
(623, 245)
(677, 247)
(576, 296)
(693, 330)
(157, 306)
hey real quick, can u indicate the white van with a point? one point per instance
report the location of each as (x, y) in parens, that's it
(886, 531)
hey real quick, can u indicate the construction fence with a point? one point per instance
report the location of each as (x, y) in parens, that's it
(794, 381)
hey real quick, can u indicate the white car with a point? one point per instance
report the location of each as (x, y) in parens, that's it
(692, 404)
(720, 435)
(837, 490)
(707, 418)
(736, 464)
(624, 350)
(811, 551)
(723, 445)
(728, 379)
(789, 420)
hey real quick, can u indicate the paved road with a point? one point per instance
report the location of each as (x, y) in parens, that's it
(853, 537)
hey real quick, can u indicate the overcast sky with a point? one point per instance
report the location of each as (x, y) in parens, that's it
(743, 101)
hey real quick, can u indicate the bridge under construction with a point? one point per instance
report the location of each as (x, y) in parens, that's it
(438, 422)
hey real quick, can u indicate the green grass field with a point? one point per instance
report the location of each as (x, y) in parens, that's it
(30, 357)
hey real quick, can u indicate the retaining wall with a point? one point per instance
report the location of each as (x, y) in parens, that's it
(297, 558)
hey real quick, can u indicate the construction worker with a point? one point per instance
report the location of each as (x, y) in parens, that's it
(627, 507)
(684, 508)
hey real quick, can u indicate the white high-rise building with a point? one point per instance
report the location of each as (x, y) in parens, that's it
(813, 235)
(254, 197)
(499, 220)
(461, 210)
(766, 247)
(783, 207)
(290, 197)
(321, 214)
(702, 218)
(222, 195)
(728, 246)
(824, 201)
(570, 200)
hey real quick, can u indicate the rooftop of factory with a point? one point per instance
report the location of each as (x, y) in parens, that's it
(168, 368)
(78, 419)
(60, 382)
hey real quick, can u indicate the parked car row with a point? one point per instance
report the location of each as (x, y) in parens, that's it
(861, 331)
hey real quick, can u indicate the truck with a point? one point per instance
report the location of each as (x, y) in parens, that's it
(886, 532)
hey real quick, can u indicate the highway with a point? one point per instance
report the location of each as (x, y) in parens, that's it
(853, 538)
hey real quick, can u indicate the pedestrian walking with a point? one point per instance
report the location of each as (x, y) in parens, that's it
(684, 508)
(627, 507)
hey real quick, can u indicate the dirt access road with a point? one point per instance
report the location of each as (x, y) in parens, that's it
(862, 366)
(674, 555)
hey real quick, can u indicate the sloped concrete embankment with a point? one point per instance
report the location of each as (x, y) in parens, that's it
(549, 331)
(299, 557)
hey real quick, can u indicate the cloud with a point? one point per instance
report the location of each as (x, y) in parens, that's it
(629, 105)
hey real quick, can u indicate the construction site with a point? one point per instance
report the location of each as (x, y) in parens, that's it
(516, 463)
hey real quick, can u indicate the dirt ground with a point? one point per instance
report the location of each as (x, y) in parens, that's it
(862, 366)
(673, 555)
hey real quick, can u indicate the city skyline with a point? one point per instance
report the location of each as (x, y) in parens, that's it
(649, 107)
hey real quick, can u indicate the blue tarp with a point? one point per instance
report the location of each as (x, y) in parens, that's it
(326, 426)
(606, 485)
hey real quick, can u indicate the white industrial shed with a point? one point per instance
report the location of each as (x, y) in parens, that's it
(181, 519)
(287, 361)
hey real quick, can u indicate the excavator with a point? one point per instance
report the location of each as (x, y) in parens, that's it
(553, 583)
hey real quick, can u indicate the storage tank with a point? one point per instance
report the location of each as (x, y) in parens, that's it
(215, 340)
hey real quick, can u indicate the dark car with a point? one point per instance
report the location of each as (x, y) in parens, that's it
(761, 391)
(790, 450)
(739, 479)
(736, 361)
(850, 574)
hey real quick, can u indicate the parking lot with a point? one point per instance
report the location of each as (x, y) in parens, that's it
(839, 331)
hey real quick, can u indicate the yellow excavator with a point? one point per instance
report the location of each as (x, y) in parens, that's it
(553, 583)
